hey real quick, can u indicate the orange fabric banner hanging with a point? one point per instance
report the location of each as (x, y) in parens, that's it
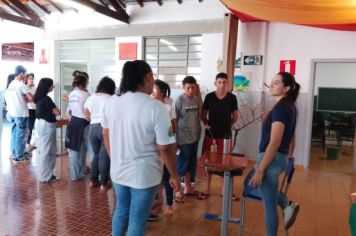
(305, 12)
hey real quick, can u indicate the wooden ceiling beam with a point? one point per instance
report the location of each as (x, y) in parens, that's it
(140, 2)
(55, 6)
(13, 8)
(41, 7)
(120, 15)
(32, 22)
(19, 5)
(116, 5)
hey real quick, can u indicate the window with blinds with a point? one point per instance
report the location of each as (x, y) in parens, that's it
(174, 57)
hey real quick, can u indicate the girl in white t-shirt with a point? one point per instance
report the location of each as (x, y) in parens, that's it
(161, 92)
(30, 83)
(76, 129)
(94, 109)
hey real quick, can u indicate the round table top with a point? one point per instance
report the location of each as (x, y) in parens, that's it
(219, 162)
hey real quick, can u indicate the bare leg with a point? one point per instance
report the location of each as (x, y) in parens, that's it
(188, 186)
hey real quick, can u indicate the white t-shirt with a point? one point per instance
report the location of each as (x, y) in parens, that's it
(171, 112)
(76, 102)
(136, 123)
(31, 105)
(96, 104)
(16, 104)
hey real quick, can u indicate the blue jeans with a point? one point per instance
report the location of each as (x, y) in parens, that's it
(268, 191)
(100, 164)
(18, 135)
(133, 207)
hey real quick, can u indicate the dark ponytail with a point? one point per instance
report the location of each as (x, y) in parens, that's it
(292, 94)
(133, 76)
(290, 98)
(164, 87)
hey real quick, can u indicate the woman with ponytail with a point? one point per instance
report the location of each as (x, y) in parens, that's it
(137, 134)
(276, 145)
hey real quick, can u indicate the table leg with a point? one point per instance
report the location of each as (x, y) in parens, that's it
(226, 209)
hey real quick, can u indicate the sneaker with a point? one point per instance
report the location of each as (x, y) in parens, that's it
(153, 218)
(290, 214)
(20, 160)
(54, 178)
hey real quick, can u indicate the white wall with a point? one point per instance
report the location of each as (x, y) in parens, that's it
(305, 45)
(336, 75)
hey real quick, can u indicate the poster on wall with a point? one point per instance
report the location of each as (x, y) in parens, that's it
(43, 57)
(127, 51)
(18, 51)
(287, 66)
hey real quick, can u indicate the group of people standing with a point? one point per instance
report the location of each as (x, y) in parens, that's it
(131, 134)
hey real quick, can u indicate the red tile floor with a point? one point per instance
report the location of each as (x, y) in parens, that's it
(72, 208)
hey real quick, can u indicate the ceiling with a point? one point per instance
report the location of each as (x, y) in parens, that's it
(332, 14)
(32, 12)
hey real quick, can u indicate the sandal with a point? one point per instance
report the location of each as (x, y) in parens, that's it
(202, 196)
(233, 197)
(178, 197)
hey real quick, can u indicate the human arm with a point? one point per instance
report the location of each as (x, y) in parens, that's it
(106, 139)
(167, 154)
(277, 131)
(87, 114)
(235, 117)
(291, 147)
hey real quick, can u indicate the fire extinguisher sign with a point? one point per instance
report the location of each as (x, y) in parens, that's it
(287, 66)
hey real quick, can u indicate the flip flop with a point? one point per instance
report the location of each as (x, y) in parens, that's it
(178, 198)
(233, 197)
(201, 196)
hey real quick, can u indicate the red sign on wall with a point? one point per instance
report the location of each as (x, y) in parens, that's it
(287, 66)
(127, 51)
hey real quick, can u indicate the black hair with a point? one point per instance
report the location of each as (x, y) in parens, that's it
(164, 87)
(10, 78)
(106, 85)
(292, 94)
(27, 76)
(77, 72)
(221, 75)
(133, 75)
(189, 80)
(79, 80)
(42, 89)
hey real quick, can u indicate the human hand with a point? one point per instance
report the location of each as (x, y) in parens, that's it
(207, 126)
(175, 183)
(256, 180)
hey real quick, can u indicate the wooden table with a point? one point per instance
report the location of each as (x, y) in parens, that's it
(60, 124)
(227, 166)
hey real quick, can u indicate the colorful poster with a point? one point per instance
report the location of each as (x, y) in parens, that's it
(241, 83)
(18, 51)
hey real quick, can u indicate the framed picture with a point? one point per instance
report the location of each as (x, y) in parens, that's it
(127, 51)
(18, 51)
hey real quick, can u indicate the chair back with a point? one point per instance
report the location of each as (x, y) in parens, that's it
(288, 176)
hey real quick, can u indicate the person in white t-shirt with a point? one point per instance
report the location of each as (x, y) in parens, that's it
(76, 129)
(30, 83)
(138, 134)
(94, 109)
(162, 92)
(16, 97)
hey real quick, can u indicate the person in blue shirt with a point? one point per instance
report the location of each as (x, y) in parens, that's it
(276, 144)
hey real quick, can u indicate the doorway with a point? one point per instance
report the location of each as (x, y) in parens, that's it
(334, 116)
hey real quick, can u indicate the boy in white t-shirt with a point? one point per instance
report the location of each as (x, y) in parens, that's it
(16, 97)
